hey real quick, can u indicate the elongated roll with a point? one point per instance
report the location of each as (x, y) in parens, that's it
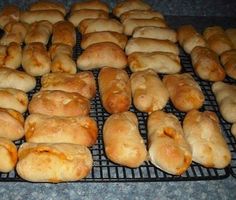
(231, 33)
(90, 4)
(122, 140)
(228, 60)
(8, 14)
(233, 129)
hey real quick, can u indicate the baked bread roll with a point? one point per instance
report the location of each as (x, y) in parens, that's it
(114, 88)
(8, 156)
(160, 62)
(68, 162)
(98, 25)
(35, 59)
(131, 24)
(104, 36)
(52, 129)
(185, 93)
(203, 133)
(58, 49)
(189, 38)
(82, 83)
(79, 15)
(233, 129)
(122, 140)
(11, 78)
(90, 4)
(13, 99)
(11, 124)
(206, 64)
(231, 33)
(160, 33)
(100, 55)
(8, 14)
(39, 32)
(228, 60)
(148, 92)
(64, 33)
(128, 5)
(226, 99)
(59, 103)
(150, 45)
(210, 31)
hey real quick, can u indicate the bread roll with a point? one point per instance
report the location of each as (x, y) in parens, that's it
(100, 55)
(68, 162)
(210, 31)
(13, 99)
(90, 4)
(52, 129)
(82, 83)
(39, 32)
(64, 33)
(189, 38)
(58, 49)
(160, 62)
(114, 88)
(8, 156)
(104, 36)
(148, 92)
(79, 15)
(98, 25)
(185, 93)
(11, 124)
(150, 45)
(128, 5)
(233, 129)
(231, 33)
(59, 103)
(228, 60)
(160, 33)
(11, 78)
(8, 14)
(206, 64)
(53, 16)
(36, 60)
(203, 133)
(122, 140)
(131, 24)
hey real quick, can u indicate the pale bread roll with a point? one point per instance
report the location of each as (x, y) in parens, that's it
(13, 99)
(168, 149)
(100, 55)
(35, 59)
(206, 64)
(150, 45)
(11, 124)
(104, 36)
(11, 78)
(83, 83)
(203, 133)
(59, 103)
(39, 32)
(79, 15)
(228, 60)
(231, 33)
(8, 14)
(160, 62)
(98, 25)
(8, 152)
(160, 33)
(233, 129)
(53, 129)
(68, 162)
(90, 4)
(122, 140)
(185, 93)
(148, 92)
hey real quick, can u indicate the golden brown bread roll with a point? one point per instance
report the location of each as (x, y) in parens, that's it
(11, 124)
(53, 129)
(58, 49)
(206, 64)
(160, 62)
(148, 92)
(185, 93)
(122, 140)
(98, 25)
(150, 45)
(231, 33)
(228, 60)
(8, 154)
(8, 14)
(114, 88)
(59, 103)
(100, 55)
(35, 59)
(203, 133)
(233, 129)
(82, 83)
(11, 78)
(104, 36)
(168, 149)
(90, 4)
(68, 162)
(210, 31)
